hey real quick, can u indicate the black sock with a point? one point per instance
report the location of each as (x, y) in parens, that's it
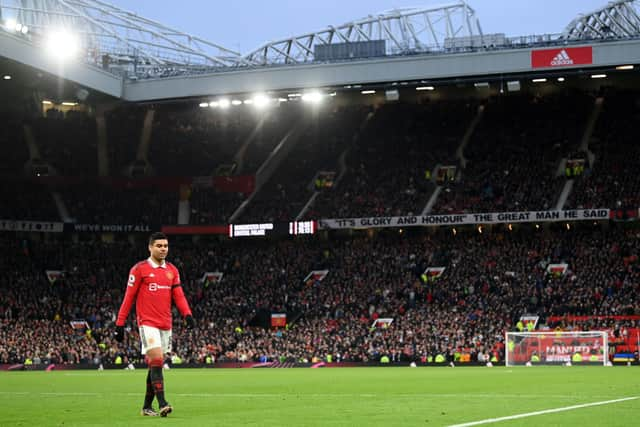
(157, 381)
(148, 397)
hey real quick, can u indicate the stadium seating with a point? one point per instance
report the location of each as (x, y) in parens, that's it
(490, 279)
(612, 180)
(515, 154)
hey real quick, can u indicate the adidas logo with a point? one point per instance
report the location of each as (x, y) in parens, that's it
(562, 58)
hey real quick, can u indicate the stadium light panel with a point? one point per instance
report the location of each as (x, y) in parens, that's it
(214, 104)
(313, 97)
(70, 104)
(560, 79)
(367, 92)
(24, 29)
(333, 93)
(513, 85)
(425, 88)
(283, 100)
(260, 101)
(598, 76)
(248, 101)
(203, 104)
(62, 45)
(224, 103)
(624, 67)
(10, 24)
(294, 95)
(541, 80)
(481, 85)
(6, 77)
(47, 102)
(236, 102)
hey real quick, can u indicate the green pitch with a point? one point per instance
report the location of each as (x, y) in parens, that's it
(333, 397)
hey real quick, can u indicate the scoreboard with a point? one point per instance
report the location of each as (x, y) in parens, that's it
(265, 229)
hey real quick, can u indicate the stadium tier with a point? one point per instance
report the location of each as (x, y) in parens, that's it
(410, 297)
(395, 200)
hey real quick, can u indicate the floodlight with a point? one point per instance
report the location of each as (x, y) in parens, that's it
(10, 24)
(260, 101)
(313, 97)
(62, 45)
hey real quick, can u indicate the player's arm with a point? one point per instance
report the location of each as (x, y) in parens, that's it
(133, 284)
(180, 300)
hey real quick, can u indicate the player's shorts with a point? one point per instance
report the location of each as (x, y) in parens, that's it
(151, 337)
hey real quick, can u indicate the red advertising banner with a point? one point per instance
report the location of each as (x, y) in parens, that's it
(278, 320)
(561, 57)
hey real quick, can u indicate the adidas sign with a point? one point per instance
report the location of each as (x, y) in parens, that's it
(562, 58)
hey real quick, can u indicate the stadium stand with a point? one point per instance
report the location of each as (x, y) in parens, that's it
(386, 167)
(490, 279)
(515, 153)
(610, 179)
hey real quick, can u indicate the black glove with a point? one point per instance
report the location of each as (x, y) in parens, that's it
(188, 320)
(119, 335)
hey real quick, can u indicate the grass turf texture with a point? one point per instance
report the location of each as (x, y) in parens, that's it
(345, 396)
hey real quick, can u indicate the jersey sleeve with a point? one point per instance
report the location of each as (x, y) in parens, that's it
(178, 295)
(133, 284)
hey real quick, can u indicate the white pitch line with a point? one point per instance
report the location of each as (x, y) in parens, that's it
(546, 411)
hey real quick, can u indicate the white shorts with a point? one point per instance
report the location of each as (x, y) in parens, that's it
(151, 337)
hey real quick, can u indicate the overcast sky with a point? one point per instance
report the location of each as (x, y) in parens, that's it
(244, 25)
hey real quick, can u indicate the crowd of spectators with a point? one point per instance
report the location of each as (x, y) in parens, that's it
(25, 200)
(513, 159)
(193, 141)
(68, 142)
(490, 279)
(514, 154)
(108, 204)
(14, 150)
(328, 134)
(388, 169)
(612, 181)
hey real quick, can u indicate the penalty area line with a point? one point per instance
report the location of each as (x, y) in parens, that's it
(546, 411)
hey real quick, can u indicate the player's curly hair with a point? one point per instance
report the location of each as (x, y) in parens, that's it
(157, 236)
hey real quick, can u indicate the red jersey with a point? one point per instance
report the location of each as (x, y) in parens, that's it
(153, 287)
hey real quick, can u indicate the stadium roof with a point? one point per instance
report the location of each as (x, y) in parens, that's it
(617, 19)
(105, 32)
(405, 31)
(126, 56)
